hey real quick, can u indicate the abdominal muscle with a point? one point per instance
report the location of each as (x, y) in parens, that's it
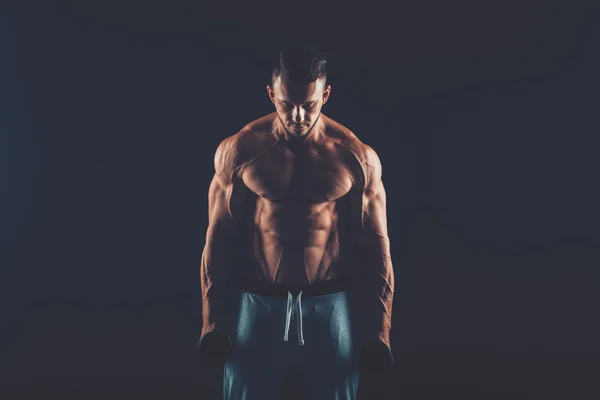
(296, 242)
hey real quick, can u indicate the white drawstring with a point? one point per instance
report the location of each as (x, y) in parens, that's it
(288, 317)
(299, 314)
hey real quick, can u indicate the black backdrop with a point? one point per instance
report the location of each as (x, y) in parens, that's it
(484, 117)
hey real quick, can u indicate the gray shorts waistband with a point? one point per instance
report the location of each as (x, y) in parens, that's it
(321, 288)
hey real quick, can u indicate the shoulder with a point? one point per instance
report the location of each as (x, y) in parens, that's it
(360, 154)
(238, 150)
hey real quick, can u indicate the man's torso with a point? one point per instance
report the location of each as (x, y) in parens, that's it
(302, 204)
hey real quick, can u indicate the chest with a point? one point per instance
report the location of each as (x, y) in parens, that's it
(312, 174)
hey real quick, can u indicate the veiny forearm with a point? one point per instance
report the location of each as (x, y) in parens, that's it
(379, 288)
(214, 269)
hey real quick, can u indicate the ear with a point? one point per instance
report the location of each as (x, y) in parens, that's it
(326, 93)
(271, 93)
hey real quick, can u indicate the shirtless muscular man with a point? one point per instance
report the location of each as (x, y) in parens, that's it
(296, 273)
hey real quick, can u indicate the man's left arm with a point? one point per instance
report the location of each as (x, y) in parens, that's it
(378, 273)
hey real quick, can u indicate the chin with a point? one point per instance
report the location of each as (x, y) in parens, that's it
(297, 132)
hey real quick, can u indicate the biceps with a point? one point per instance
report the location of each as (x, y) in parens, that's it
(374, 212)
(219, 194)
(224, 202)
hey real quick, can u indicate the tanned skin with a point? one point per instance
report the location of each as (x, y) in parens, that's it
(303, 194)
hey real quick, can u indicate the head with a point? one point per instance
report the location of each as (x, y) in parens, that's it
(299, 88)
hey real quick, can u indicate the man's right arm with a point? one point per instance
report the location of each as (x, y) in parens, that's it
(224, 200)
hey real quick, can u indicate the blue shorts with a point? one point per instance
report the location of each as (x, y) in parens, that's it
(309, 338)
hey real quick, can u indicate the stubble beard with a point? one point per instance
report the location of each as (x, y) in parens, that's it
(298, 134)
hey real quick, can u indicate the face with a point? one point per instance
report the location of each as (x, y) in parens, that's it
(298, 105)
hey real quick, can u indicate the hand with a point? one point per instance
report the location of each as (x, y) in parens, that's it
(375, 372)
(376, 355)
(214, 348)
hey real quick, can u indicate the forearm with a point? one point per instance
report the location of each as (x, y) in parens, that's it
(214, 271)
(215, 339)
(378, 292)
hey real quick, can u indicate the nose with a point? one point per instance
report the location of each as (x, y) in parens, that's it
(298, 114)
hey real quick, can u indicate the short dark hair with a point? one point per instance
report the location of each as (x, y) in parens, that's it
(300, 64)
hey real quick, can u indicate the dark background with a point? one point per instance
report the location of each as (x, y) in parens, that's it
(484, 117)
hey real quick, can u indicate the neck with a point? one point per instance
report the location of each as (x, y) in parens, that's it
(313, 134)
